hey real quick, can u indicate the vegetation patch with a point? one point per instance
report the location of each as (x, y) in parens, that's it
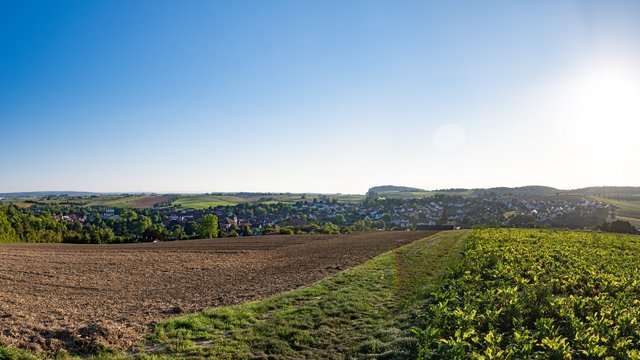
(628, 206)
(206, 201)
(363, 312)
(131, 202)
(538, 294)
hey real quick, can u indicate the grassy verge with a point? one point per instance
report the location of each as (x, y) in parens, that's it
(366, 311)
(15, 354)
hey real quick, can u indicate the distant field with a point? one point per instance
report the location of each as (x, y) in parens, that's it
(196, 201)
(205, 201)
(629, 207)
(17, 202)
(137, 202)
(561, 197)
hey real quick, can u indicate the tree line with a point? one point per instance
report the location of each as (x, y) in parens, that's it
(42, 225)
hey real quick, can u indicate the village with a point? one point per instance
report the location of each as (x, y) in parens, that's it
(409, 214)
(101, 224)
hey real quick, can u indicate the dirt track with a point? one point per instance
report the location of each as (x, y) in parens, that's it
(82, 296)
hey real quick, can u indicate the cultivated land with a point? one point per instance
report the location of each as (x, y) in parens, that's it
(538, 294)
(206, 201)
(82, 297)
(137, 202)
(368, 311)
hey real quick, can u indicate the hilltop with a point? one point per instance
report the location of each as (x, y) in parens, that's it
(529, 190)
(394, 188)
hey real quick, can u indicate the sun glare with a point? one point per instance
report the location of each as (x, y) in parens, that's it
(604, 100)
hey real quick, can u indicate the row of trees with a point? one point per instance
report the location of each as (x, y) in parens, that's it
(618, 226)
(41, 225)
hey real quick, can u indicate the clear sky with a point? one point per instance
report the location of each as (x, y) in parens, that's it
(317, 96)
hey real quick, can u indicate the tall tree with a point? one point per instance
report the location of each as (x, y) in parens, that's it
(208, 227)
(7, 233)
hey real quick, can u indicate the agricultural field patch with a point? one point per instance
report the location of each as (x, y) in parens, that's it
(206, 201)
(625, 206)
(137, 202)
(85, 297)
(17, 202)
(538, 294)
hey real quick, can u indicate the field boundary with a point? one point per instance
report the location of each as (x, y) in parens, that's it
(368, 310)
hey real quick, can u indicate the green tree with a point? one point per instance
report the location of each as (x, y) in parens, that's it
(386, 218)
(152, 234)
(286, 230)
(246, 231)
(191, 228)
(330, 228)
(177, 233)
(444, 217)
(7, 233)
(208, 227)
(128, 215)
(141, 224)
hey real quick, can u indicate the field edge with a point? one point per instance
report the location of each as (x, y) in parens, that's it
(368, 309)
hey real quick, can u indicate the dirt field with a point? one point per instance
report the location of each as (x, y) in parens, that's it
(81, 296)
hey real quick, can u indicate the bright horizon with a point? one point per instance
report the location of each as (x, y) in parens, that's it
(317, 97)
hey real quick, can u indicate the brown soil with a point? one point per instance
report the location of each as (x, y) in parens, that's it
(147, 202)
(82, 297)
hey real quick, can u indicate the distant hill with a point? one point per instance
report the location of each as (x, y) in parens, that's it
(393, 188)
(39, 194)
(532, 190)
(608, 190)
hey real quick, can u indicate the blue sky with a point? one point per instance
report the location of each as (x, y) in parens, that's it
(318, 96)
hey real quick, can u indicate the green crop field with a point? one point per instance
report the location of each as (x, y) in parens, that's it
(138, 202)
(538, 294)
(205, 201)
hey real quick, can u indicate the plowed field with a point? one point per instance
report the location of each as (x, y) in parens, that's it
(80, 297)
